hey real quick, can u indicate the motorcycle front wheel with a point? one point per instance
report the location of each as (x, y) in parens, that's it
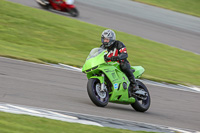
(74, 12)
(99, 98)
(142, 105)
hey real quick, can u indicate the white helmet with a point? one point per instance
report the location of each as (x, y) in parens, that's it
(109, 34)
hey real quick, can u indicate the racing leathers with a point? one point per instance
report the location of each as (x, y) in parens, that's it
(117, 52)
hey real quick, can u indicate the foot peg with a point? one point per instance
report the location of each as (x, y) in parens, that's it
(141, 92)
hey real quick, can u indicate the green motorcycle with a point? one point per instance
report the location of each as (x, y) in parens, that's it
(107, 83)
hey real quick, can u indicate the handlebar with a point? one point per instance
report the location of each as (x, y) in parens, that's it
(108, 58)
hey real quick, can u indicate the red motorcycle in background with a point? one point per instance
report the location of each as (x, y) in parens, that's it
(59, 5)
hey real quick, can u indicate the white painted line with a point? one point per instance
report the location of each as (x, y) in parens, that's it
(179, 130)
(71, 67)
(193, 88)
(65, 116)
(46, 114)
(2, 107)
(89, 123)
(171, 87)
(24, 109)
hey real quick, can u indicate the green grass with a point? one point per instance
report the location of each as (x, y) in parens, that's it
(15, 123)
(191, 7)
(40, 36)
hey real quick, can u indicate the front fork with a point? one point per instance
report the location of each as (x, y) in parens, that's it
(102, 81)
(103, 86)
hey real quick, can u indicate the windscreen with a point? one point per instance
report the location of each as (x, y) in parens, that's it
(94, 52)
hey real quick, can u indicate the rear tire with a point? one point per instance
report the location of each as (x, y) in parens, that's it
(93, 92)
(142, 105)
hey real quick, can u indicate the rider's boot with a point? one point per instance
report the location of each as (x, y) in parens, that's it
(133, 85)
(43, 2)
(135, 90)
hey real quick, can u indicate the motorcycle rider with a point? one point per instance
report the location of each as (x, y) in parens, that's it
(117, 52)
(46, 2)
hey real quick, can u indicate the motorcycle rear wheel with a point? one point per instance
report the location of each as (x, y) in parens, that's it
(94, 93)
(142, 105)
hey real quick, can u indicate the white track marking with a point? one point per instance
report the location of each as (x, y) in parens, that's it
(3, 107)
(173, 87)
(181, 131)
(61, 115)
(24, 109)
(16, 109)
(47, 113)
(71, 67)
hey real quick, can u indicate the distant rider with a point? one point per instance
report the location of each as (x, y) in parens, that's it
(117, 52)
(46, 2)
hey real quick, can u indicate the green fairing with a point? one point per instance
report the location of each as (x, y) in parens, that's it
(139, 70)
(95, 66)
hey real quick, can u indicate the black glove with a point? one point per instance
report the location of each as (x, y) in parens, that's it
(114, 58)
(106, 58)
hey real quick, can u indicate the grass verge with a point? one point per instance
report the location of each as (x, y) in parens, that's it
(190, 7)
(15, 123)
(40, 36)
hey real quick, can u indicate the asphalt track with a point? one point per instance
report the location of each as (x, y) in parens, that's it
(47, 87)
(54, 88)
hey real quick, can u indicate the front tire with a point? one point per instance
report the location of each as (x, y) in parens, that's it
(98, 98)
(142, 105)
(74, 12)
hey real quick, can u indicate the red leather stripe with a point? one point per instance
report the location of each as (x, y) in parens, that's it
(123, 50)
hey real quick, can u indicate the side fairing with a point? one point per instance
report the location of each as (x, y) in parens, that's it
(119, 94)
